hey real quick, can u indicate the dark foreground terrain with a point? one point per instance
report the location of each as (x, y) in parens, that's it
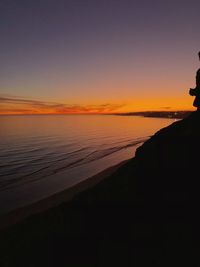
(145, 214)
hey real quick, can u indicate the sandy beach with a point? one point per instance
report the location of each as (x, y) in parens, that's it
(64, 196)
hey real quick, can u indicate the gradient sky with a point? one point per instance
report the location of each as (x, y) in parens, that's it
(71, 56)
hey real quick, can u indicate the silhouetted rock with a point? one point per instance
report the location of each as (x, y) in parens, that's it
(145, 214)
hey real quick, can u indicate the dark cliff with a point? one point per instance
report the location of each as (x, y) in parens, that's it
(145, 214)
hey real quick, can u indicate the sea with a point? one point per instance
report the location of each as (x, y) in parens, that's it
(41, 155)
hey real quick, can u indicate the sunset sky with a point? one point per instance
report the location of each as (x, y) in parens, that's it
(80, 56)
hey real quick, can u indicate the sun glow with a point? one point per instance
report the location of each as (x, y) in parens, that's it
(26, 106)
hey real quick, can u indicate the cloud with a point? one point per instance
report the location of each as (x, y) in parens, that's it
(16, 105)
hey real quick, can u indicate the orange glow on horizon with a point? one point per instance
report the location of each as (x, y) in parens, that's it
(13, 106)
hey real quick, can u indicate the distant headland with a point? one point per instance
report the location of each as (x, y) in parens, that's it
(158, 114)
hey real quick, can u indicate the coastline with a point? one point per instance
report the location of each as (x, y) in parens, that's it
(56, 199)
(158, 114)
(140, 209)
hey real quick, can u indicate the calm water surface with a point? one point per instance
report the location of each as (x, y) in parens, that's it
(42, 155)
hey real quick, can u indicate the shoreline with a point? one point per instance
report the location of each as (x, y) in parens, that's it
(158, 114)
(15, 216)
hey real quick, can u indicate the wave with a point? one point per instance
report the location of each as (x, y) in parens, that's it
(36, 166)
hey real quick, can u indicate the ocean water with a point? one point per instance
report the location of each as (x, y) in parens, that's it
(43, 155)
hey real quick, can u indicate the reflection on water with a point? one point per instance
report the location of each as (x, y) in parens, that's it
(41, 155)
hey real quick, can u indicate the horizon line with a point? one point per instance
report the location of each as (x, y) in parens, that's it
(88, 113)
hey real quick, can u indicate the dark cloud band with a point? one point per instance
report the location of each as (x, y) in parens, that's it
(21, 105)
